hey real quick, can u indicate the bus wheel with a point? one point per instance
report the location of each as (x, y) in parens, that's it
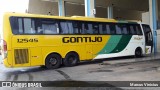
(138, 52)
(71, 59)
(53, 61)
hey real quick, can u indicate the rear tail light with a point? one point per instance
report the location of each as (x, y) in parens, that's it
(4, 49)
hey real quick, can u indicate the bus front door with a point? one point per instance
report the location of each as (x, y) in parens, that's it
(148, 39)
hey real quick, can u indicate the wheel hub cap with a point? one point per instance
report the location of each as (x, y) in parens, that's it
(53, 61)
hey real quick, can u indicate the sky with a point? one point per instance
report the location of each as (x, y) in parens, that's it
(12, 6)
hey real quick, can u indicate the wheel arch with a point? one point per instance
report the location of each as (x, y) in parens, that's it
(141, 50)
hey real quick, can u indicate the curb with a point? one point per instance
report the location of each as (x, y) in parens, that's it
(132, 60)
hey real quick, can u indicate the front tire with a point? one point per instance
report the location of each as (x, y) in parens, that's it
(71, 59)
(138, 53)
(53, 61)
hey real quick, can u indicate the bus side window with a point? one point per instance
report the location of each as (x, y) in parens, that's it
(90, 29)
(118, 29)
(20, 26)
(132, 30)
(112, 28)
(38, 26)
(138, 29)
(50, 28)
(95, 28)
(77, 27)
(101, 29)
(23, 25)
(124, 29)
(28, 26)
(80, 27)
(64, 27)
(107, 29)
(33, 26)
(39, 30)
(14, 25)
(70, 27)
(84, 27)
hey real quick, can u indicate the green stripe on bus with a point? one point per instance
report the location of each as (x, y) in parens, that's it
(122, 43)
(111, 44)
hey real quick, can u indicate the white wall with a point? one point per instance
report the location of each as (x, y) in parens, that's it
(79, 10)
(74, 9)
(43, 7)
(145, 17)
(127, 14)
(101, 12)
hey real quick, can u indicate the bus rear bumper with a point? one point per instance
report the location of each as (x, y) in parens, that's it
(6, 64)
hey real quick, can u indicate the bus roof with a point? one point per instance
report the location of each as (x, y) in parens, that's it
(79, 18)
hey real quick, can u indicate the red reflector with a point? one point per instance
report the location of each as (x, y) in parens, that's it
(4, 46)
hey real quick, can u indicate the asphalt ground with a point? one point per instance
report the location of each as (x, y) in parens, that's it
(112, 73)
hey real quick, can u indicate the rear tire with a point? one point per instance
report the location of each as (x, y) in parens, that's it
(53, 61)
(138, 53)
(71, 59)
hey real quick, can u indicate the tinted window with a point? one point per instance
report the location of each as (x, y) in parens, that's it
(132, 30)
(146, 28)
(20, 26)
(28, 28)
(48, 27)
(101, 29)
(53, 26)
(89, 28)
(108, 29)
(122, 29)
(125, 30)
(135, 29)
(67, 27)
(95, 28)
(77, 27)
(33, 26)
(112, 28)
(118, 29)
(138, 29)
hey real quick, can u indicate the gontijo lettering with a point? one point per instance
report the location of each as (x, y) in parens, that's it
(81, 39)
